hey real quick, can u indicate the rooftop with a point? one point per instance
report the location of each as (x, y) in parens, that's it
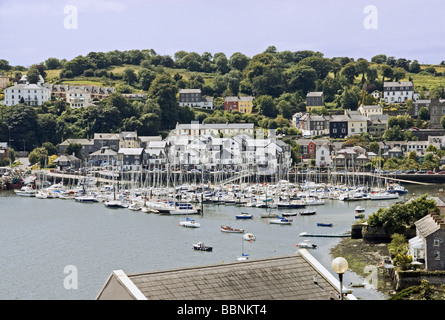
(296, 277)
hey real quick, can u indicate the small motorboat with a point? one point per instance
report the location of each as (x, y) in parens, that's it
(249, 237)
(201, 247)
(289, 214)
(281, 220)
(229, 229)
(243, 257)
(307, 245)
(244, 216)
(308, 212)
(320, 224)
(359, 209)
(189, 223)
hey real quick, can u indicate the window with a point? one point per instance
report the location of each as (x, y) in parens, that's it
(436, 242)
(437, 255)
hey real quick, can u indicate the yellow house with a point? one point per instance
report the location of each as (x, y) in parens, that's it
(245, 104)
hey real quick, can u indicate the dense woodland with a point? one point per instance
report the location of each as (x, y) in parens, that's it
(279, 82)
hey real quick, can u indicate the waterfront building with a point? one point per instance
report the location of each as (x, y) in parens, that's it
(87, 146)
(214, 130)
(130, 158)
(297, 277)
(128, 139)
(67, 162)
(428, 245)
(103, 157)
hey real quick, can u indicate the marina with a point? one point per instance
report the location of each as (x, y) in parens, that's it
(43, 236)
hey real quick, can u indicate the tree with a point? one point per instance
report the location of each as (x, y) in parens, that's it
(350, 72)
(350, 98)
(394, 133)
(398, 73)
(146, 77)
(300, 77)
(33, 75)
(163, 91)
(424, 114)
(38, 155)
(129, 76)
(362, 66)
(387, 72)
(322, 66)
(52, 63)
(414, 67)
(74, 148)
(238, 61)
(379, 59)
(266, 106)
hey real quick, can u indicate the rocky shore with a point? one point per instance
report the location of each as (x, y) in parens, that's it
(360, 254)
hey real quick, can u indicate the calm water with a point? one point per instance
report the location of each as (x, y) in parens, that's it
(39, 238)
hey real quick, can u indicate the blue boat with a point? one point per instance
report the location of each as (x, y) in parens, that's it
(324, 224)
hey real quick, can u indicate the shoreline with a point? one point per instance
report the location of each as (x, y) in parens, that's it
(359, 255)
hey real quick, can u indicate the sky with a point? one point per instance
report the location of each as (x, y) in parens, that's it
(32, 31)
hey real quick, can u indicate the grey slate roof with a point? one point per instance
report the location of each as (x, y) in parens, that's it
(429, 224)
(295, 277)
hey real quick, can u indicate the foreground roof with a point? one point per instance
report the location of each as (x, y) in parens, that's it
(293, 277)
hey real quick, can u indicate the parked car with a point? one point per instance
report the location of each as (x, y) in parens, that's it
(441, 172)
(430, 172)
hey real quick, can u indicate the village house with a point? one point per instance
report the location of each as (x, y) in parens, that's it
(397, 92)
(110, 140)
(377, 124)
(369, 111)
(357, 123)
(338, 126)
(103, 157)
(30, 94)
(65, 162)
(130, 158)
(128, 139)
(241, 104)
(314, 125)
(87, 146)
(323, 156)
(308, 147)
(427, 247)
(436, 111)
(214, 130)
(314, 100)
(417, 105)
(193, 98)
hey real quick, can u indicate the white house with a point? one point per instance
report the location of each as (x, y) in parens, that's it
(396, 92)
(78, 98)
(28, 93)
(322, 157)
(369, 111)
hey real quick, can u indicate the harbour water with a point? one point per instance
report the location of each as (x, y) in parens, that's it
(41, 237)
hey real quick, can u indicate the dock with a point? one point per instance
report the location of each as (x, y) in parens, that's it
(324, 235)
